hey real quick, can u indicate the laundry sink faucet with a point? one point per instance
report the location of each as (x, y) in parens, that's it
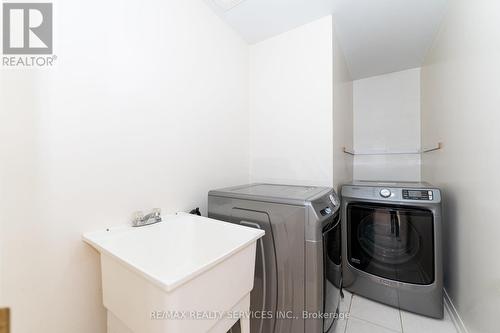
(141, 220)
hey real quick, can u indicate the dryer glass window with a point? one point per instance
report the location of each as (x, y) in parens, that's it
(392, 243)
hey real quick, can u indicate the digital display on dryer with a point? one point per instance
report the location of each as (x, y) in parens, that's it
(417, 194)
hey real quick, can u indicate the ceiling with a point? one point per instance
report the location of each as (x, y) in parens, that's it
(377, 36)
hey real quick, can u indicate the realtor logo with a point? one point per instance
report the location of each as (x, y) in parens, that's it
(27, 28)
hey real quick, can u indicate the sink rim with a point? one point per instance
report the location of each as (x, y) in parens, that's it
(98, 239)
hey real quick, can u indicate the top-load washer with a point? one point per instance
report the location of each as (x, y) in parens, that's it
(391, 235)
(298, 264)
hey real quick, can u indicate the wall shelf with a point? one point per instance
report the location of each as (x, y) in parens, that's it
(395, 152)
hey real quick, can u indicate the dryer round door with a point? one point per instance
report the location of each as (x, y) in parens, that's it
(391, 242)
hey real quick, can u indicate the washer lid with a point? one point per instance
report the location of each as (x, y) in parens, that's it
(396, 184)
(273, 192)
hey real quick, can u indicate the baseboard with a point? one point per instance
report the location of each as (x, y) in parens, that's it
(455, 317)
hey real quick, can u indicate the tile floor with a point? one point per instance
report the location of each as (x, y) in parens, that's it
(366, 316)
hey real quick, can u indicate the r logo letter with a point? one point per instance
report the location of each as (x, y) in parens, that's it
(27, 28)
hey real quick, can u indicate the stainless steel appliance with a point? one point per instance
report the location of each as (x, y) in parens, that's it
(298, 265)
(392, 244)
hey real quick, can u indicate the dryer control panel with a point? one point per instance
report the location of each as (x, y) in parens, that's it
(393, 192)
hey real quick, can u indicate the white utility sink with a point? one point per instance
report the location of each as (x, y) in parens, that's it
(187, 274)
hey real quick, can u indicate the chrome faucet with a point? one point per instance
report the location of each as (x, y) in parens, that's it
(141, 220)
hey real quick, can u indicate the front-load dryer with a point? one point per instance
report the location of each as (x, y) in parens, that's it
(298, 265)
(391, 236)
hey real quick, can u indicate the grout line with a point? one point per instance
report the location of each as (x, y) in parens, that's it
(349, 312)
(453, 313)
(401, 321)
(400, 313)
(350, 307)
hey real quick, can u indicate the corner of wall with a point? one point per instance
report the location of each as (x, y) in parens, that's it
(342, 114)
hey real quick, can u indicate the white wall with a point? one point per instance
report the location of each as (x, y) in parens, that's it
(387, 119)
(342, 117)
(460, 107)
(147, 107)
(291, 96)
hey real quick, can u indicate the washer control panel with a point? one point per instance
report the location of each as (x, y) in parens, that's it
(412, 194)
(326, 205)
(334, 200)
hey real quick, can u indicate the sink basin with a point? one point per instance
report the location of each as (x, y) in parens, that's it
(185, 274)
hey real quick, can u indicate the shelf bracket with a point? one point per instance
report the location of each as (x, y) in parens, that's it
(349, 152)
(428, 150)
(422, 151)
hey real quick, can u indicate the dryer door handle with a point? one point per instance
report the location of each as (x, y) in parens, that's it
(251, 224)
(264, 274)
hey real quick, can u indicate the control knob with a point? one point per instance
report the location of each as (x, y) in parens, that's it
(385, 193)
